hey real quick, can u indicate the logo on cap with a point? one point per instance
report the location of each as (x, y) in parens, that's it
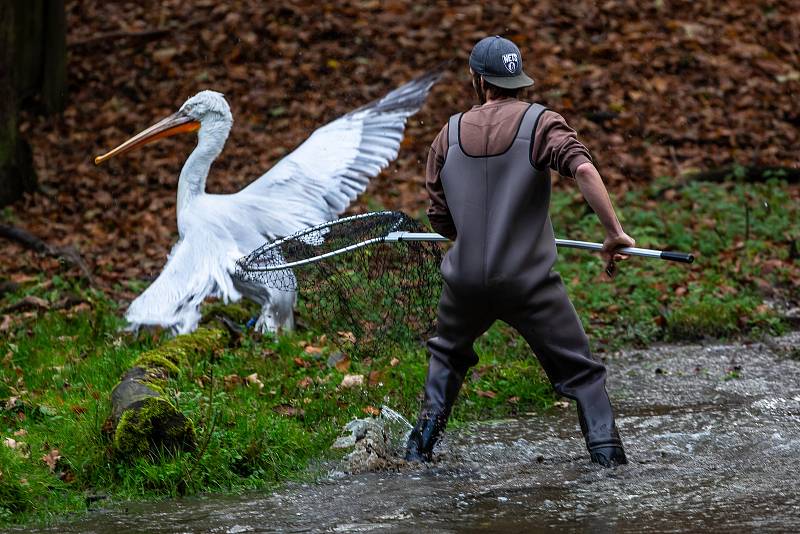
(511, 61)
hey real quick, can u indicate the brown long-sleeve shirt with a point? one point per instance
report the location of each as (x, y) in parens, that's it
(490, 129)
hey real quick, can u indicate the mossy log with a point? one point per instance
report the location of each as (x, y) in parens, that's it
(145, 422)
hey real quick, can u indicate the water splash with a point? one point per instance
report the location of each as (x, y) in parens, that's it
(397, 429)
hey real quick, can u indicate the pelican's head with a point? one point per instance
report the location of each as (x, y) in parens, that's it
(207, 107)
(207, 111)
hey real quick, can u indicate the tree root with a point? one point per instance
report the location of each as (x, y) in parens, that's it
(30, 241)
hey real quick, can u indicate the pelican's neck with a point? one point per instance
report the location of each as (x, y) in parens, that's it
(192, 182)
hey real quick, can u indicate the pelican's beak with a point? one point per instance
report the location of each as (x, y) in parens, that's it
(174, 124)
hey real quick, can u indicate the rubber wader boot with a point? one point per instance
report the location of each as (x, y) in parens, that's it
(424, 436)
(605, 448)
(441, 389)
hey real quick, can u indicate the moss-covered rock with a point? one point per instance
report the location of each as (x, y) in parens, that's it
(707, 317)
(240, 313)
(145, 421)
(181, 351)
(153, 426)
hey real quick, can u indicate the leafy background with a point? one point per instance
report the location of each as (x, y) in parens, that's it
(658, 88)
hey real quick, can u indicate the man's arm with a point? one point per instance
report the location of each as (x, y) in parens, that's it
(556, 146)
(594, 191)
(438, 212)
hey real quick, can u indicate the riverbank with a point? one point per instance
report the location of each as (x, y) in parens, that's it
(708, 453)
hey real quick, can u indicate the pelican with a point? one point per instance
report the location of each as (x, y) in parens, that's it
(312, 185)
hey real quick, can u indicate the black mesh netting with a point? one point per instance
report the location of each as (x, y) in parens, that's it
(369, 298)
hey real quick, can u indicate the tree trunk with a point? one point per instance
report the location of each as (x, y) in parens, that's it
(54, 63)
(16, 165)
(33, 61)
(40, 51)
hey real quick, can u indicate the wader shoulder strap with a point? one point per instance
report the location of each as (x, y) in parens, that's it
(528, 125)
(453, 130)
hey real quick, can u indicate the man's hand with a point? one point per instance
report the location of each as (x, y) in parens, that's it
(611, 244)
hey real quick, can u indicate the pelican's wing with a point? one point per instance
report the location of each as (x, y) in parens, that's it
(198, 267)
(317, 181)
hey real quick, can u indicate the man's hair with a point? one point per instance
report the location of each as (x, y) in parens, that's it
(497, 92)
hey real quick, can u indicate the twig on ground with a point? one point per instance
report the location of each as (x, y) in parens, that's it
(30, 241)
(144, 34)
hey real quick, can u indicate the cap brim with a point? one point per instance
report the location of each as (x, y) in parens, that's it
(510, 82)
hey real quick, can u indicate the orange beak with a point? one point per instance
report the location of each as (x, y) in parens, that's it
(174, 124)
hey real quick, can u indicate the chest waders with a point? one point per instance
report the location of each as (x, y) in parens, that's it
(500, 267)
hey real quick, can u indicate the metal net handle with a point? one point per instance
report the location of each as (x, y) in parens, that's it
(394, 237)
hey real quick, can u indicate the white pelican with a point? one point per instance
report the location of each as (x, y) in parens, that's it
(313, 184)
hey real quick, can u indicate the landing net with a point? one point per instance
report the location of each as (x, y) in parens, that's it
(365, 293)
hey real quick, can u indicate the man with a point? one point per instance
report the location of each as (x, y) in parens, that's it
(488, 177)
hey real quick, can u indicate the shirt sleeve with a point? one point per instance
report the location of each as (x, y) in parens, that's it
(556, 146)
(438, 212)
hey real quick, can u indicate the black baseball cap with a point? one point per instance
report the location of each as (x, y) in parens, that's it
(499, 61)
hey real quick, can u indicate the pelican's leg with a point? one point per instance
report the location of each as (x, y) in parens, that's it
(277, 312)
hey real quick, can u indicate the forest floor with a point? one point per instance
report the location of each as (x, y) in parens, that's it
(658, 92)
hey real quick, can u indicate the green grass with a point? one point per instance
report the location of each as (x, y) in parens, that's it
(57, 368)
(720, 295)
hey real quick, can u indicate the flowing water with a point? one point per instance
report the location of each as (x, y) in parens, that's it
(712, 434)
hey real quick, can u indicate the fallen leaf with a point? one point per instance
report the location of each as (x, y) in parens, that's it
(11, 402)
(350, 381)
(486, 394)
(305, 382)
(302, 363)
(51, 459)
(21, 432)
(339, 360)
(232, 381)
(312, 350)
(561, 404)
(163, 55)
(11, 443)
(78, 410)
(253, 380)
(108, 426)
(394, 362)
(371, 410)
(347, 336)
(6, 323)
(513, 400)
(375, 377)
(343, 365)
